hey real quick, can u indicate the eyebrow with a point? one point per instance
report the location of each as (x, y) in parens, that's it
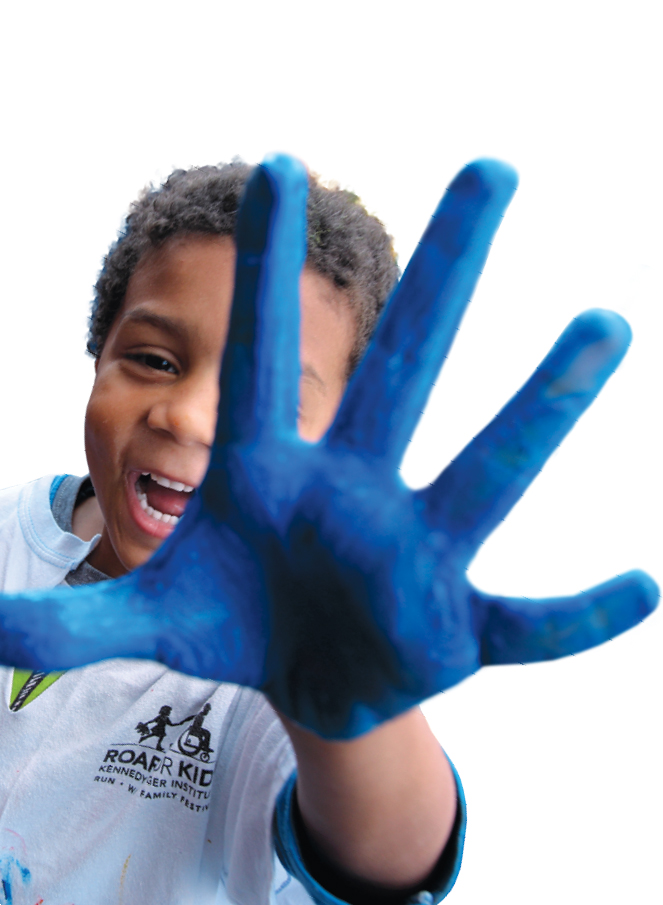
(309, 371)
(172, 325)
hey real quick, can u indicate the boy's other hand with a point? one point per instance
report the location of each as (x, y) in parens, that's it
(311, 571)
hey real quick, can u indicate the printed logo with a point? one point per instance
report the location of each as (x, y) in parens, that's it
(181, 772)
(194, 741)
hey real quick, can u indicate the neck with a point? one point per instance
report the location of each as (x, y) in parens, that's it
(87, 520)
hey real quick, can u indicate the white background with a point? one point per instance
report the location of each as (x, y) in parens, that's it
(561, 762)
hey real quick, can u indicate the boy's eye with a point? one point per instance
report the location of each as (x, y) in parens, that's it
(156, 362)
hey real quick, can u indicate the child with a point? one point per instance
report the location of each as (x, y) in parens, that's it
(304, 569)
(94, 809)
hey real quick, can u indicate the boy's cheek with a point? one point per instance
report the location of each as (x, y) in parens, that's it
(111, 413)
(100, 432)
(106, 439)
(317, 412)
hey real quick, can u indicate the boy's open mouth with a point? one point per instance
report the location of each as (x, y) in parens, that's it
(161, 498)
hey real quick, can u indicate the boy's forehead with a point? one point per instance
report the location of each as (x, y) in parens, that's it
(186, 282)
(184, 262)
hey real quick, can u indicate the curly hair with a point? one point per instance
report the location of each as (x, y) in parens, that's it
(344, 243)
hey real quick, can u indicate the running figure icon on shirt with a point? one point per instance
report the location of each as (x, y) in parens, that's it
(158, 724)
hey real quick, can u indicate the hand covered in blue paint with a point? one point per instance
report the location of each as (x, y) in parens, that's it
(311, 571)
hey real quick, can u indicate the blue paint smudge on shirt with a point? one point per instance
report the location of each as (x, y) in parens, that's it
(11, 871)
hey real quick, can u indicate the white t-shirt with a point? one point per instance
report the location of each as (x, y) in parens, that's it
(125, 782)
(90, 810)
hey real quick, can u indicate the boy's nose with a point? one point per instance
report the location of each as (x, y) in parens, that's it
(188, 415)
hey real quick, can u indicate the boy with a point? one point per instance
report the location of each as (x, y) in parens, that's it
(118, 817)
(376, 817)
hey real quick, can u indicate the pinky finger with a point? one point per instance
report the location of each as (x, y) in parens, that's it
(519, 630)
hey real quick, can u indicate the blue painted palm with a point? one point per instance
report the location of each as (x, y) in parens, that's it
(311, 571)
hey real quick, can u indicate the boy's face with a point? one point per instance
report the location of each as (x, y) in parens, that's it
(152, 411)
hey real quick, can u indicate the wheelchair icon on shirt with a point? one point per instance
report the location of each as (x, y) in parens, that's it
(195, 740)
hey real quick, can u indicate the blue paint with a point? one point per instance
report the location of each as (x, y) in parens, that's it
(11, 872)
(309, 570)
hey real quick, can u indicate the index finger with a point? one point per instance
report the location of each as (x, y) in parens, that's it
(260, 368)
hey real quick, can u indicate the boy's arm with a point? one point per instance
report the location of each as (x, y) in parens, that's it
(380, 808)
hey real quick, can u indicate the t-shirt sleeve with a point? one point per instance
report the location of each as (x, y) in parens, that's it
(289, 850)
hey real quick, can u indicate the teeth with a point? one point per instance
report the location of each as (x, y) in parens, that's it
(173, 485)
(154, 513)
